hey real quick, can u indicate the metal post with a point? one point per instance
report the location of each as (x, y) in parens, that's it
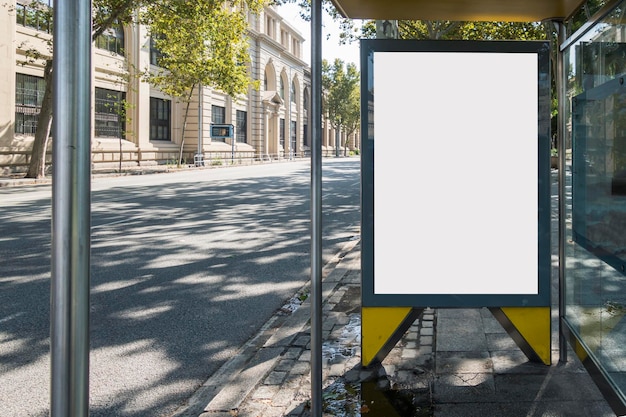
(561, 128)
(200, 152)
(71, 186)
(316, 208)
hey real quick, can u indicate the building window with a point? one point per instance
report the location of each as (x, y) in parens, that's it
(305, 103)
(269, 27)
(242, 126)
(292, 138)
(282, 133)
(218, 115)
(109, 114)
(292, 93)
(282, 88)
(284, 38)
(112, 40)
(155, 54)
(160, 119)
(36, 15)
(29, 91)
(305, 135)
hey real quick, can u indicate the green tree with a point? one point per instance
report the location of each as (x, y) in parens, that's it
(425, 29)
(108, 13)
(200, 44)
(341, 99)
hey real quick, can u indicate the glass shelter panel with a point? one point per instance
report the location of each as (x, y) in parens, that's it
(595, 280)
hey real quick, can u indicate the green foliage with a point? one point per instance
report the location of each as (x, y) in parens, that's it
(342, 99)
(425, 29)
(200, 41)
(582, 15)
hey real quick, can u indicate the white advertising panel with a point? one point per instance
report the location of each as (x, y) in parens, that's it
(456, 173)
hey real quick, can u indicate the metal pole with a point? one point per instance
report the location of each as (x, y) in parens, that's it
(69, 338)
(316, 208)
(200, 152)
(561, 126)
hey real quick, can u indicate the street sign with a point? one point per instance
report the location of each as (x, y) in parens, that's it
(221, 131)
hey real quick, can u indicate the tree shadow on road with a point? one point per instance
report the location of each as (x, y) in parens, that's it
(181, 275)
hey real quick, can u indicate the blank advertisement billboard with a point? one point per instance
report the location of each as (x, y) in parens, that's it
(455, 173)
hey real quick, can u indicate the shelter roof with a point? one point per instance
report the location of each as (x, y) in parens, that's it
(458, 10)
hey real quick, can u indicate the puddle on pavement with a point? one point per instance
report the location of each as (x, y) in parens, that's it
(367, 399)
(377, 402)
(374, 397)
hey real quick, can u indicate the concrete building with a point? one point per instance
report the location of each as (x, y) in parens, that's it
(269, 124)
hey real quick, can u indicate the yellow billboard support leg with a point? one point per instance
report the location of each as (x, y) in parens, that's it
(382, 328)
(530, 328)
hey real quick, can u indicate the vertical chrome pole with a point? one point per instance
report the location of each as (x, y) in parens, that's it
(71, 177)
(561, 126)
(316, 208)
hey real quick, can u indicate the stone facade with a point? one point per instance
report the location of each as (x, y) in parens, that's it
(270, 123)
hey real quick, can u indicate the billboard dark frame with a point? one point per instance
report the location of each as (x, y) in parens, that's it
(371, 298)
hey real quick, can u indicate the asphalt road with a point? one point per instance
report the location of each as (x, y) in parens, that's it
(186, 267)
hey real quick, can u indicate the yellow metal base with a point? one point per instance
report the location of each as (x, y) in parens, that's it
(530, 328)
(382, 328)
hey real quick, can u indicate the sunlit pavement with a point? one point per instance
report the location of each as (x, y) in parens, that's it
(450, 363)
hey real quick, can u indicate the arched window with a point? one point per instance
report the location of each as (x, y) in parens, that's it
(282, 88)
(305, 100)
(292, 93)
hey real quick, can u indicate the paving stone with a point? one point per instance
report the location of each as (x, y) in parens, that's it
(411, 336)
(285, 365)
(300, 368)
(411, 345)
(275, 378)
(292, 353)
(426, 331)
(464, 388)
(284, 397)
(265, 392)
(409, 353)
(463, 362)
(328, 324)
(305, 356)
(250, 409)
(296, 410)
(302, 340)
(426, 340)
(274, 411)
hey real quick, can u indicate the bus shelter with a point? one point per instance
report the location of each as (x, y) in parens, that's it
(589, 69)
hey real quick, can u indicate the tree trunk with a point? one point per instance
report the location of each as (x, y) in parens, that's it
(182, 142)
(37, 166)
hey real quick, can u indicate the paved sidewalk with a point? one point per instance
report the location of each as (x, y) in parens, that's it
(450, 363)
